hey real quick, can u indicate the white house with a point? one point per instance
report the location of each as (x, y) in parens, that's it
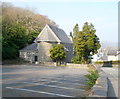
(114, 56)
(100, 56)
(106, 55)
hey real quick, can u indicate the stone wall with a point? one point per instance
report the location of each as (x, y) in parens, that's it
(68, 65)
(44, 51)
(28, 55)
(108, 65)
(72, 65)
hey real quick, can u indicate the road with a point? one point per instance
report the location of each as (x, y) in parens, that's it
(112, 74)
(42, 81)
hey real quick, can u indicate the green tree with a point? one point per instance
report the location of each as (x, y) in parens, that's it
(75, 33)
(75, 30)
(19, 28)
(86, 42)
(13, 38)
(71, 35)
(57, 53)
(32, 36)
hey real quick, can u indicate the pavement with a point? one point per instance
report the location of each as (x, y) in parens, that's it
(113, 76)
(42, 81)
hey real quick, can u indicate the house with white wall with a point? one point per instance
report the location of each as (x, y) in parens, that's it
(114, 56)
(100, 56)
(106, 55)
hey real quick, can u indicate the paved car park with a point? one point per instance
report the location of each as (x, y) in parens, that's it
(42, 81)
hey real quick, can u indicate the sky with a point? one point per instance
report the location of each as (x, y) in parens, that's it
(103, 15)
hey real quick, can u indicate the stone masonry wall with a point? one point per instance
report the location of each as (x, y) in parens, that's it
(44, 51)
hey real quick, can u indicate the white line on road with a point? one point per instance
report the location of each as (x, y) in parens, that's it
(65, 79)
(39, 92)
(61, 82)
(51, 86)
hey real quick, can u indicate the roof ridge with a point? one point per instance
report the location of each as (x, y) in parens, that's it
(59, 34)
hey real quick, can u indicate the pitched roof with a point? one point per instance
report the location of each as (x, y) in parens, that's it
(31, 47)
(112, 52)
(53, 34)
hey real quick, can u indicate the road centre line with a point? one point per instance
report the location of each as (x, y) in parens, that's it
(40, 92)
(51, 86)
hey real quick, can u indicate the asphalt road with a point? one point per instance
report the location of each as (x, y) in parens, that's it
(42, 81)
(113, 76)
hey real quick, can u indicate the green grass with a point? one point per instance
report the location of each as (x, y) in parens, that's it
(105, 62)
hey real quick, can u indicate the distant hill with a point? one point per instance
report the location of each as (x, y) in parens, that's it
(28, 18)
(110, 45)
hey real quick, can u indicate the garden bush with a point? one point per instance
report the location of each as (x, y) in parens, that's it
(92, 77)
(76, 60)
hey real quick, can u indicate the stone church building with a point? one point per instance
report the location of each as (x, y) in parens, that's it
(40, 50)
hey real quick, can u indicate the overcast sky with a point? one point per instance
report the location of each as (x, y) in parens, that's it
(103, 15)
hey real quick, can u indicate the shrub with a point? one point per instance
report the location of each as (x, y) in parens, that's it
(92, 77)
(106, 62)
(57, 53)
(89, 60)
(76, 60)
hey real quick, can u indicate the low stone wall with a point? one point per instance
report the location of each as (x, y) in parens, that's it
(101, 87)
(48, 64)
(108, 65)
(71, 65)
(68, 65)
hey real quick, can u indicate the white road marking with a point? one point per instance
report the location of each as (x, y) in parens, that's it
(60, 79)
(60, 82)
(50, 85)
(40, 92)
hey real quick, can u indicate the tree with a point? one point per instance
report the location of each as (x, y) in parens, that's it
(28, 18)
(86, 42)
(71, 35)
(32, 36)
(19, 28)
(75, 30)
(13, 38)
(57, 53)
(75, 33)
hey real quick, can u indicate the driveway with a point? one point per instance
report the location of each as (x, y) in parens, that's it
(42, 81)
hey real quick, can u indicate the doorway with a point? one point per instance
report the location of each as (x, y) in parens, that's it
(36, 58)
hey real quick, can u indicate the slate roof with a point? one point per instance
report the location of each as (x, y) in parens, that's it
(112, 52)
(53, 34)
(31, 47)
(49, 33)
